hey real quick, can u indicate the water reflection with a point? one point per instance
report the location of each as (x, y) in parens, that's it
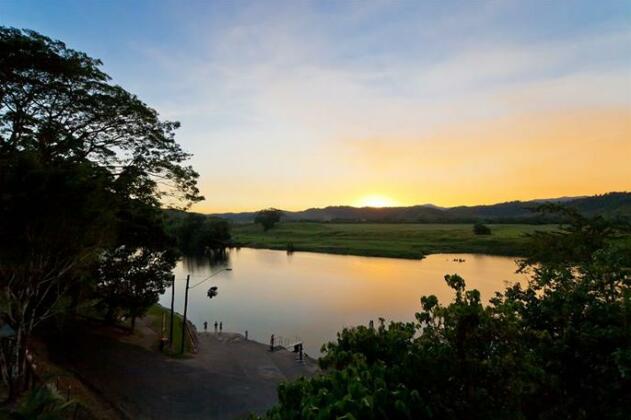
(216, 258)
(313, 296)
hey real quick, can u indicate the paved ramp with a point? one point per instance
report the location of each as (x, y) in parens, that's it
(229, 377)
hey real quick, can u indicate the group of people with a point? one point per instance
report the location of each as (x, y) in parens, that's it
(220, 326)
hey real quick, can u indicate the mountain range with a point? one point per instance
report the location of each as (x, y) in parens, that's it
(611, 205)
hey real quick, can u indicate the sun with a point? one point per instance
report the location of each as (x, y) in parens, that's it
(376, 200)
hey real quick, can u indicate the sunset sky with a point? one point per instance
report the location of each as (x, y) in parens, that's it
(306, 104)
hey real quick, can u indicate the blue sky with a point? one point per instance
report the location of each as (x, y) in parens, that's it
(297, 104)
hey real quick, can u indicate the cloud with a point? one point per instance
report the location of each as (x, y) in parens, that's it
(284, 94)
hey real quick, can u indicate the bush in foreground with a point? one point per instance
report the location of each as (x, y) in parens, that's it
(557, 348)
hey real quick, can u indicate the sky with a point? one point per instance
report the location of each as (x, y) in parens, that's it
(296, 104)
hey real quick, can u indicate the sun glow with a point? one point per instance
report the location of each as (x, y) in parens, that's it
(376, 200)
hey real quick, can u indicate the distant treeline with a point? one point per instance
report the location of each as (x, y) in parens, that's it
(539, 220)
(196, 233)
(613, 206)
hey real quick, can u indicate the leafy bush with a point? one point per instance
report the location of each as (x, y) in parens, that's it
(43, 402)
(481, 229)
(559, 347)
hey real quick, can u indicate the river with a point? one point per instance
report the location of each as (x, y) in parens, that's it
(310, 296)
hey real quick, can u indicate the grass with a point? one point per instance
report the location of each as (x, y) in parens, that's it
(387, 240)
(155, 314)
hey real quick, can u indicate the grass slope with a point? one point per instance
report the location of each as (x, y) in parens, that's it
(156, 314)
(387, 240)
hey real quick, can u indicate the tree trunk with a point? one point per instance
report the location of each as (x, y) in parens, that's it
(133, 323)
(109, 315)
(17, 365)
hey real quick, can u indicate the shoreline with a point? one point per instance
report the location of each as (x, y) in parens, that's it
(235, 336)
(371, 253)
(401, 241)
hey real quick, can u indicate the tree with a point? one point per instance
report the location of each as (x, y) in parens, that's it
(197, 234)
(56, 102)
(130, 280)
(54, 220)
(268, 218)
(576, 240)
(481, 229)
(560, 347)
(75, 153)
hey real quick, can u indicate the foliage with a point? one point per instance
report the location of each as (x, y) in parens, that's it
(42, 403)
(131, 280)
(57, 102)
(557, 348)
(53, 222)
(84, 166)
(576, 240)
(268, 218)
(132, 274)
(196, 233)
(481, 229)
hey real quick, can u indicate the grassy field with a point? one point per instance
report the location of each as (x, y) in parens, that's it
(155, 314)
(387, 240)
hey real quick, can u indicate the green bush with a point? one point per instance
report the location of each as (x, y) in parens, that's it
(481, 229)
(559, 347)
(43, 403)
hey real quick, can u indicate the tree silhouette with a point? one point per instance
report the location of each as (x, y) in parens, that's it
(268, 218)
(83, 166)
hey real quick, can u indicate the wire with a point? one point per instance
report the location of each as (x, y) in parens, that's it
(207, 278)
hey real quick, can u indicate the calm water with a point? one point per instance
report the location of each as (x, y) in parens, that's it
(312, 296)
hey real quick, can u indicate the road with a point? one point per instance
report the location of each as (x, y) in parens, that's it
(229, 377)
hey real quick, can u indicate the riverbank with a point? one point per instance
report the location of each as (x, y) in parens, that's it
(228, 377)
(410, 241)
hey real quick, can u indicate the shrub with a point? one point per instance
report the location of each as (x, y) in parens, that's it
(481, 229)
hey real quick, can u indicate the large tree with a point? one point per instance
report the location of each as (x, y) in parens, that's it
(54, 220)
(57, 102)
(268, 218)
(130, 280)
(80, 160)
(198, 234)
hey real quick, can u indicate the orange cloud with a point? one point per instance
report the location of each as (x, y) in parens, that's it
(536, 155)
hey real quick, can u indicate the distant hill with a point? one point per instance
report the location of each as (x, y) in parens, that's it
(611, 205)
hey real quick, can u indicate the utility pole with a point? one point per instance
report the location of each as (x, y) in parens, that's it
(172, 302)
(188, 277)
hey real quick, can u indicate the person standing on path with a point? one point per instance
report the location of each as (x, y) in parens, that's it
(221, 326)
(215, 327)
(205, 326)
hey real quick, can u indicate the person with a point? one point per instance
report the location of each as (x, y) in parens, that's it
(221, 326)
(246, 335)
(205, 326)
(215, 326)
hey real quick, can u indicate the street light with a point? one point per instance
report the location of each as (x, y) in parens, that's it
(188, 277)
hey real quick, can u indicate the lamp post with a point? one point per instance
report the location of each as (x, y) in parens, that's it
(172, 302)
(188, 277)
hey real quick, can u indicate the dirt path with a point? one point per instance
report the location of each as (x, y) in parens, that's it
(229, 377)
